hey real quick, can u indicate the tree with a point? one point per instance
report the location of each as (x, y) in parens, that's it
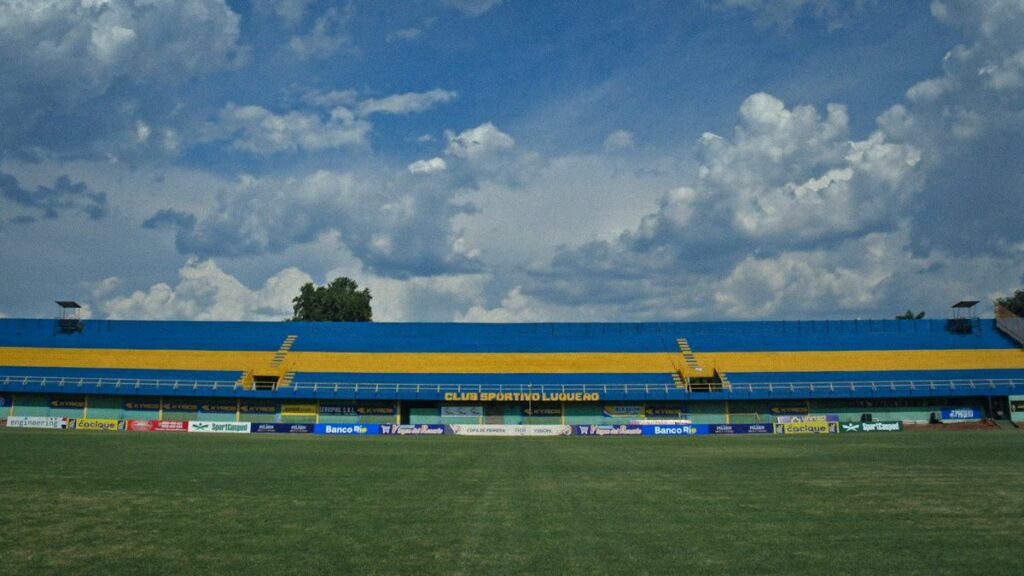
(1013, 303)
(339, 301)
(909, 315)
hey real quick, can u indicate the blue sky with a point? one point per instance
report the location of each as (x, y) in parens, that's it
(489, 160)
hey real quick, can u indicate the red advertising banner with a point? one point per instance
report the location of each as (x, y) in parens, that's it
(157, 426)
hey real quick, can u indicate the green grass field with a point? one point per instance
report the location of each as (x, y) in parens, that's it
(135, 503)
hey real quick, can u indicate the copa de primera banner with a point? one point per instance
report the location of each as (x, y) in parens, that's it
(510, 430)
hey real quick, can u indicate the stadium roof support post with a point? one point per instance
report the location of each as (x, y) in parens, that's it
(70, 319)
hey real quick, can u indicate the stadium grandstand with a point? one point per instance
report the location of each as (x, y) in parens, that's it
(568, 373)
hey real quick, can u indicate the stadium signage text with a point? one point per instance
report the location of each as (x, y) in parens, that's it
(807, 428)
(740, 429)
(871, 427)
(281, 428)
(412, 429)
(521, 397)
(961, 414)
(347, 429)
(54, 423)
(109, 425)
(669, 430)
(509, 430)
(219, 427)
(157, 426)
(605, 430)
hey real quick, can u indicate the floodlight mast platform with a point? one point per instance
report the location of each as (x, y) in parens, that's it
(70, 319)
(965, 317)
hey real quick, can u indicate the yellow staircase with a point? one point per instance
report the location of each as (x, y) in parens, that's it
(275, 374)
(693, 377)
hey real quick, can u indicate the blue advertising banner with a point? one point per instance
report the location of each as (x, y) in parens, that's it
(281, 428)
(4, 401)
(740, 429)
(413, 429)
(673, 429)
(347, 429)
(607, 430)
(962, 414)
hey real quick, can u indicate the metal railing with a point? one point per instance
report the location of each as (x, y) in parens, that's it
(128, 386)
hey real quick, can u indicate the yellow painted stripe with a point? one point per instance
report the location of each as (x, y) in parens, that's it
(863, 360)
(484, 363)
(516, 363)
(133, 359)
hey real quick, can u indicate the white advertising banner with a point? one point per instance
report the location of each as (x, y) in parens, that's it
(219, 427)
(54, 423)
(510, 430)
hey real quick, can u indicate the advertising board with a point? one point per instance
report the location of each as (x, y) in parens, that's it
(627, 411)
(607, 430)
(157, 426)
(217, 406)
(298, 409)
(219, 427)
(73, 402)
(671, 430)
(510, 430)
(37, 422)
(361, 409)
(740, 429)
(807, 428)
(347, 429)
(542, 410)
(412, 429)
(808, 418)
(871, 427)
(961, 414)
(104, 424)
(663, 412)
(141, 404)
(257, 408)
(267, 428)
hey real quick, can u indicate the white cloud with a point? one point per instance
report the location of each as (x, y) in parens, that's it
(103, 287)
(407, 103)
(259, 131)
(205, 292)
(64, 58)
(478, 142)
(472, 7)
(395, 228)
(515, 307)
(619, 140)
(783, 13)
(291, 12)
(428, 166)
(328, 35)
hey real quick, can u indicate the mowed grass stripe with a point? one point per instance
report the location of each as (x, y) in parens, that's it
(123, 503)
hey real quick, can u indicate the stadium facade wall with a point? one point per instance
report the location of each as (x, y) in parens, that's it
(903, 369)
(747, 412)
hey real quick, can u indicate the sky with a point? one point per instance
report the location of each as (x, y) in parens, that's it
(509, 160)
